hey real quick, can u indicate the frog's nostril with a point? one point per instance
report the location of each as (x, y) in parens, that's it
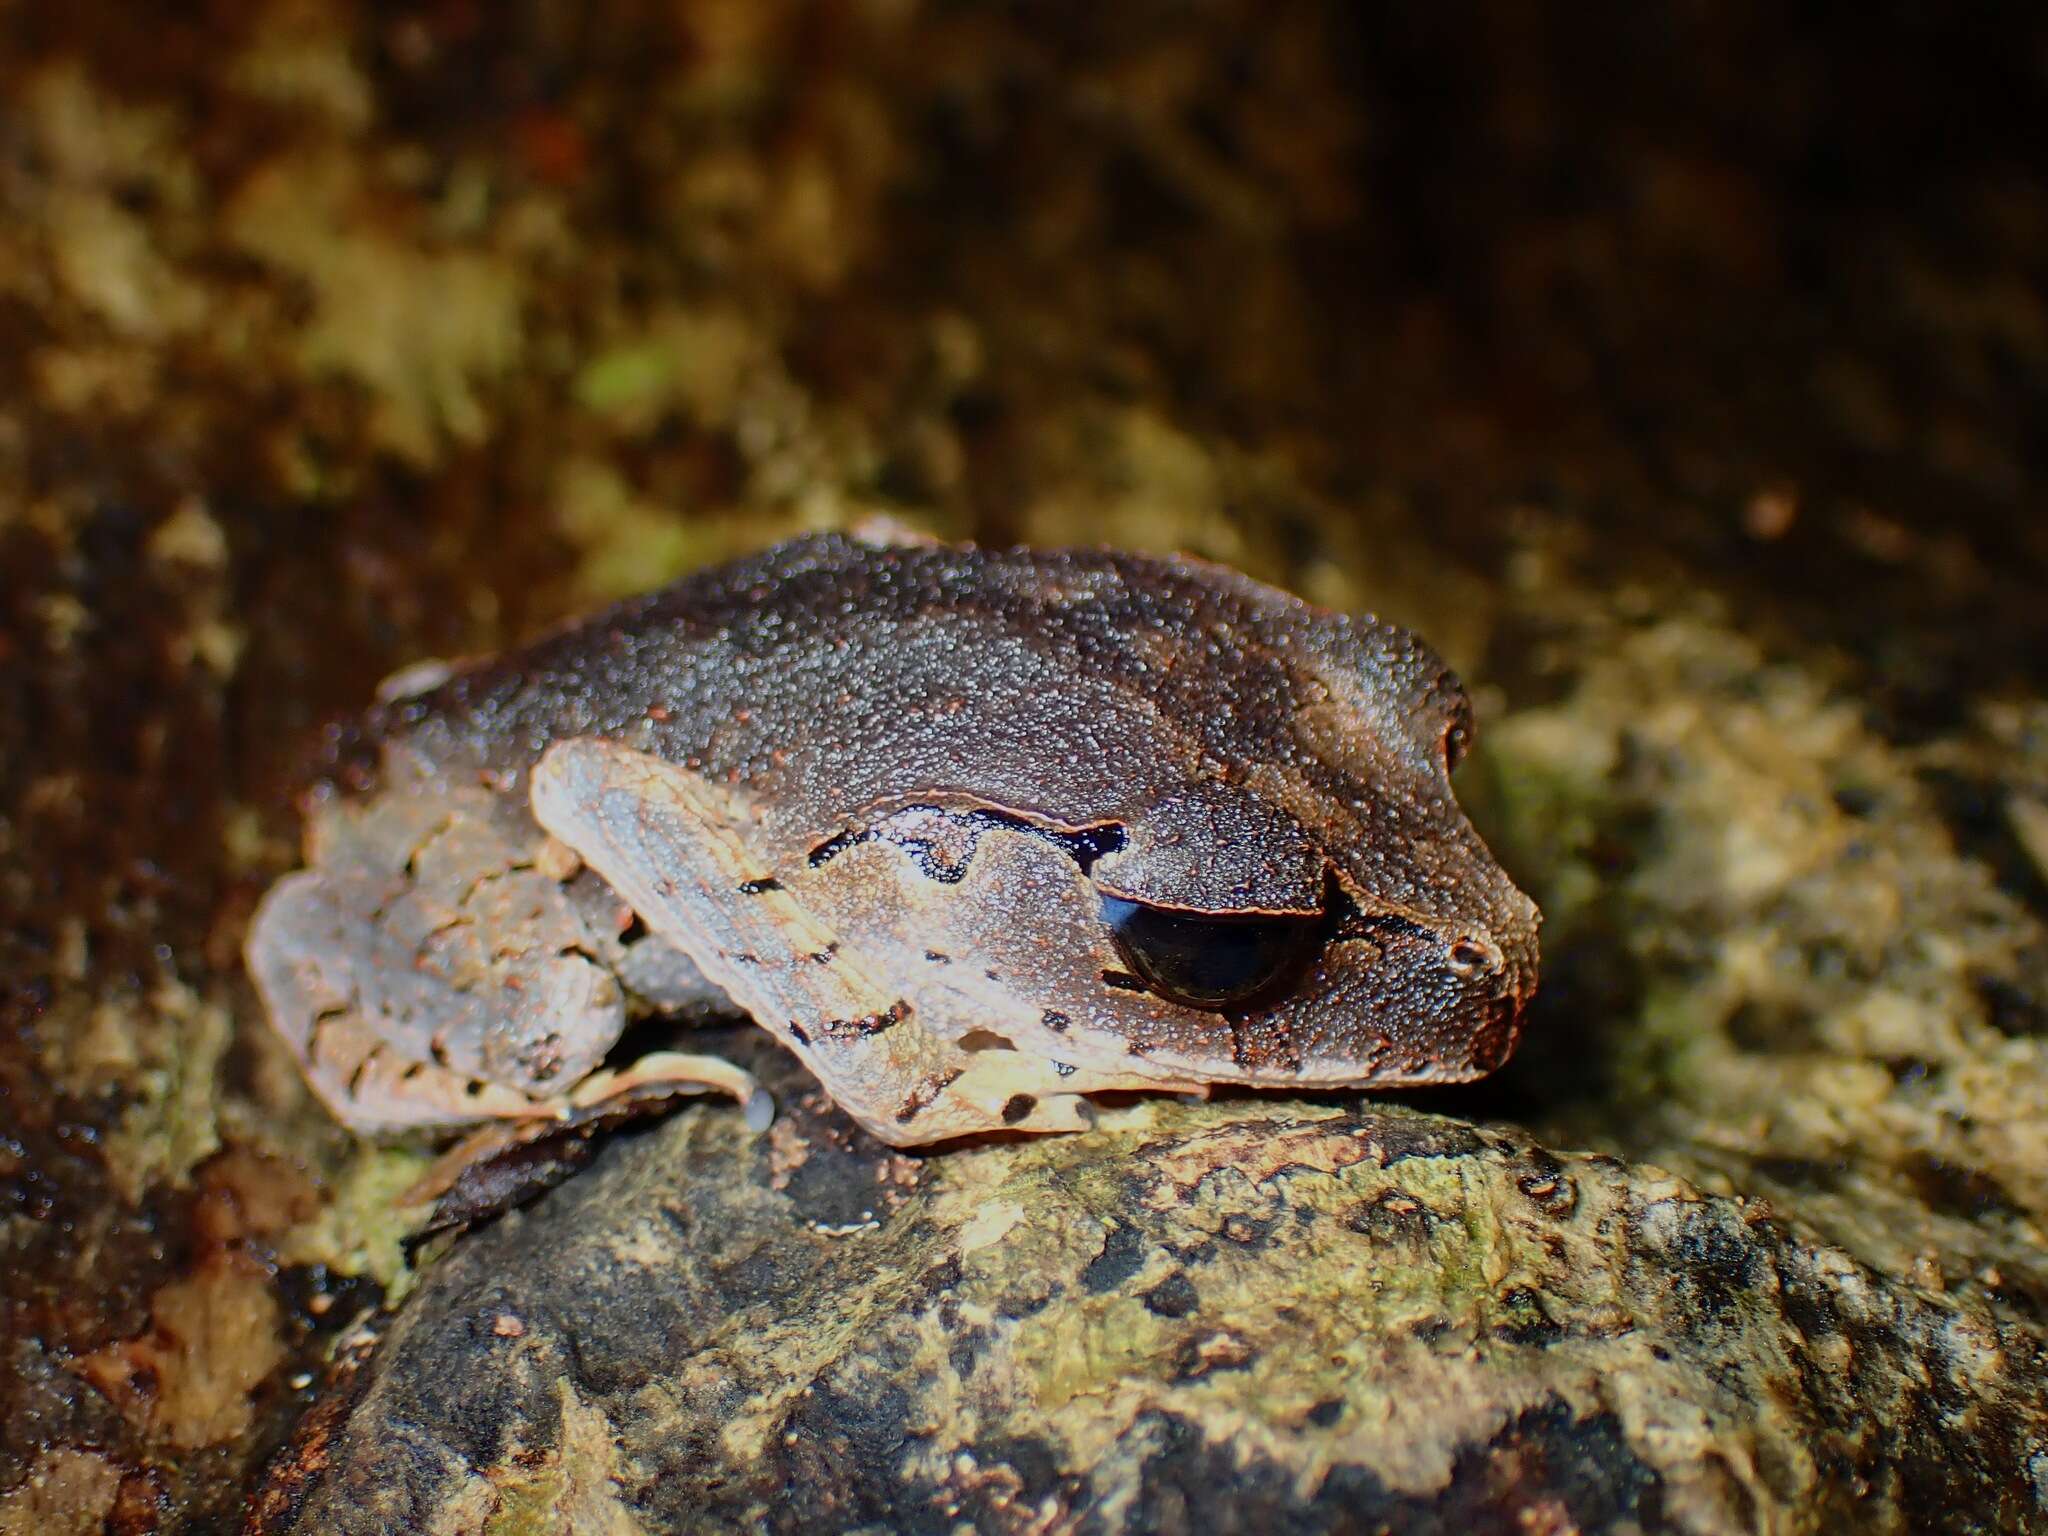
(1474, 956)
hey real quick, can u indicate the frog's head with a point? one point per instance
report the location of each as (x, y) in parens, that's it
(1331, 902)
(1297, 901)
(1334, 942)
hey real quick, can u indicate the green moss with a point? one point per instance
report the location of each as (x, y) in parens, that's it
(362, 1227)
(626, 379)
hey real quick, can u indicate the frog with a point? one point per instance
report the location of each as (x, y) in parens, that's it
(980, 834)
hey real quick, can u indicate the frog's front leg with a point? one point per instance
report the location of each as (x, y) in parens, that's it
(433, 966)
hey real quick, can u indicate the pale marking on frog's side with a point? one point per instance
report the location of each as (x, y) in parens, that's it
(974, 833)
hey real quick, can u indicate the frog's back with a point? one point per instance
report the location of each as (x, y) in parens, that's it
(826, 676)
(986, 671)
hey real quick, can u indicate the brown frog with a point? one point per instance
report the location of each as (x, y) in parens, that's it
(975, 833)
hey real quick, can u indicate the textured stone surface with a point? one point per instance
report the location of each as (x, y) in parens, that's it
(1246, 1316)
(1679, 374)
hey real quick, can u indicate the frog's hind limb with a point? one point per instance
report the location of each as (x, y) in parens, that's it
(674, 845)
(425, 973)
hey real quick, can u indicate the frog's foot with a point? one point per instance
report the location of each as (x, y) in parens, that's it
(507, 1162)
(680, 1073)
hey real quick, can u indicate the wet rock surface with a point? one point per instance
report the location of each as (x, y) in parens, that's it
(1679, 378)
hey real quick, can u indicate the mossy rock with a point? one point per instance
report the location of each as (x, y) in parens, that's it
(1259, 1314)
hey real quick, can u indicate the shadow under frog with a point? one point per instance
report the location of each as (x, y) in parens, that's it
(974, 833)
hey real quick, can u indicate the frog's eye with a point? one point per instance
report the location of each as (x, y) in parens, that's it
(1206, 961)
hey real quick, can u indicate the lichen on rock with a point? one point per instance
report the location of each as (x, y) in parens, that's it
(1227, 1317)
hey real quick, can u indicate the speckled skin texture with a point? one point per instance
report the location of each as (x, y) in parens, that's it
(828, 677)
(891, 783)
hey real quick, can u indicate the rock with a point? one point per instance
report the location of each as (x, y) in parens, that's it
(1254, 1315)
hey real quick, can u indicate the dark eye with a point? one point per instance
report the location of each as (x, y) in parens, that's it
(1207, 962)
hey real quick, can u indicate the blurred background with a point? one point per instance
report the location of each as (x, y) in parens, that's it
(1623, 350)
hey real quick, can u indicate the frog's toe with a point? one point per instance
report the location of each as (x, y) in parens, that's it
(681, 1072)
